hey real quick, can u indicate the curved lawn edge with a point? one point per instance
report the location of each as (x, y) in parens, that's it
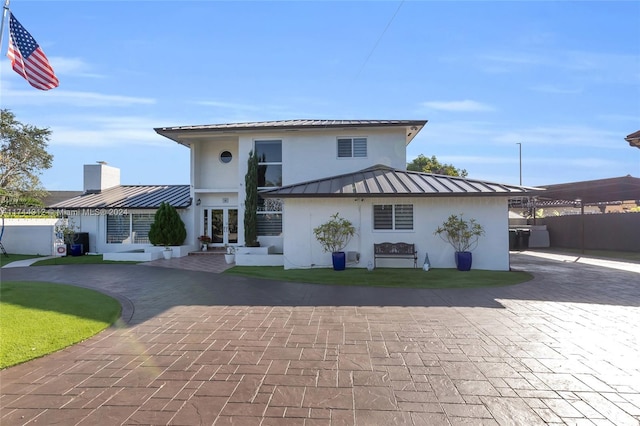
(439, 278)
(39, 318)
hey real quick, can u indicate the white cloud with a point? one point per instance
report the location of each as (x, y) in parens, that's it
(458, 106)
(29, 96)
(549, 88)
(105, 131)
(72, 66)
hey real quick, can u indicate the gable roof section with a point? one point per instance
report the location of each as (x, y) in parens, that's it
(594, 191)
(130, 197)
(634, 139)
(179, 133)
(384, 181)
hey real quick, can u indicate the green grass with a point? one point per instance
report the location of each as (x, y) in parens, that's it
(38, 318)
(4, 260)
(386, 277)
(79, 260)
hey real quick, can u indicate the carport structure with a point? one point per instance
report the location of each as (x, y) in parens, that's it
(600, 193)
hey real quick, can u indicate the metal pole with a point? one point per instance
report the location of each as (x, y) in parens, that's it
(5, 9)
(520, 157)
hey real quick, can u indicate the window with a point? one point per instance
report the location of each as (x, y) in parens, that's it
(352, 147)
(269, 153)
(269, 217)
(393, 217)
(129, 228)
(226, 157)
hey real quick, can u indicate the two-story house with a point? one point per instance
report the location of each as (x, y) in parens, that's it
(311, 169)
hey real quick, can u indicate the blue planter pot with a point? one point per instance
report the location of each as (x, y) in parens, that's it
(463, 260)
(339, 259)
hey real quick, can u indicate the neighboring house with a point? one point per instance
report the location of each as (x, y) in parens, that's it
(311, 169)
(634, 139)
(118, 217)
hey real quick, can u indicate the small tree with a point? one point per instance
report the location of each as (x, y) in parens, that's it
(335, 234)
(251, 202)
(432, 165)
(23, 157)
(461, 234)
(167, 228)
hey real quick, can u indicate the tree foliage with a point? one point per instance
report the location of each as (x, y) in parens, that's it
(23, 157)
(460, 233)
(167, 228)
(251, 202)
(432, 165)
(335, 234)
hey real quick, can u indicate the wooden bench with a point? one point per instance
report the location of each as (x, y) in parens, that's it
(395, 251)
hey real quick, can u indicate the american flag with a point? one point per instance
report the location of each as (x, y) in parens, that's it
(28, 59)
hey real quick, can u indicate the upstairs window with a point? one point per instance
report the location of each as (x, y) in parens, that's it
(269, 153)
(397, 217)
(352, 147)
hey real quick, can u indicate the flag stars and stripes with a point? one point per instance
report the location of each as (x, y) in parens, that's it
(28, 59)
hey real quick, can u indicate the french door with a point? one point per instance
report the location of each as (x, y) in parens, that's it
(221, 224)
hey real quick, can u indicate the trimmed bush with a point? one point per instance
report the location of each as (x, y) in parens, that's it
(167, 228)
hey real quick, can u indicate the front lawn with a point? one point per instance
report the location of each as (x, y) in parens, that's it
(386, 277)
(38, 318)
(5, 260)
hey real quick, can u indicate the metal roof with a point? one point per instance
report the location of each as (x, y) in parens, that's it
(130, 197)
(594, 191)
(634, 139)
(177, 133)
(384, 181)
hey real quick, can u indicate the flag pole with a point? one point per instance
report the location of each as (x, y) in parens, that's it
(5, 9)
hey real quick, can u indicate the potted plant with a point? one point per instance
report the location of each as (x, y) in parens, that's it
(230, 255)
(463, 236)
(334, 235)
(65, 230)
(204, 240)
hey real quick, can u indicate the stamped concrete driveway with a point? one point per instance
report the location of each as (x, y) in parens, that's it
(202, 348)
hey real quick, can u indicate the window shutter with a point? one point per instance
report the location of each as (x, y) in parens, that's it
(141, 224)
(344, 148)
(404, 216)
(360, 147)
(383, 216)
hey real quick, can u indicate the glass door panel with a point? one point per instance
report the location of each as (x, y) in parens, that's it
(232, 226)
(217, 226)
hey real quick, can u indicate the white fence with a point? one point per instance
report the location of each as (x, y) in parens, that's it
(29, 236)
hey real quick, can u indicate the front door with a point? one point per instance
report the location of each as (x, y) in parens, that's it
(221, 224)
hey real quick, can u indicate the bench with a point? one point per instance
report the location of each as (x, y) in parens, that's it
(395, 251)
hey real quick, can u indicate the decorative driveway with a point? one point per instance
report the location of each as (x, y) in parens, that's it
(206, 348)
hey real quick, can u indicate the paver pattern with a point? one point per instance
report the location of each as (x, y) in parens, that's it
(205, 348)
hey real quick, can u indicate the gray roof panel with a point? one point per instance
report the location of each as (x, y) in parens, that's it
(383, 181)
(130, 197)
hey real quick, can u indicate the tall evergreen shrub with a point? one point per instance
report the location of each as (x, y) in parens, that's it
(251, 202)
(167, 228)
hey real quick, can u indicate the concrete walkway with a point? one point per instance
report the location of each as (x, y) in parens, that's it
(25, 262)
(205, 348)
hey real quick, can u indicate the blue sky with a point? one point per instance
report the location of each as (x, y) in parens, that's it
(561, 78)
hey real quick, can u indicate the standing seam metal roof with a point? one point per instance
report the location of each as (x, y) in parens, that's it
(295, 124)
(384, 181)
(131, 197)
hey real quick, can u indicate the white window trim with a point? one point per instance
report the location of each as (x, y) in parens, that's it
(352, 138)
(393, 219)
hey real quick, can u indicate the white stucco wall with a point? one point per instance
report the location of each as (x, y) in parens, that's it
(29, 236)
(301, 249)
(96, 226)
(211, 172)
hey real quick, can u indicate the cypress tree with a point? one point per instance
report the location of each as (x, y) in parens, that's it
(167, 228)
(251, 202)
